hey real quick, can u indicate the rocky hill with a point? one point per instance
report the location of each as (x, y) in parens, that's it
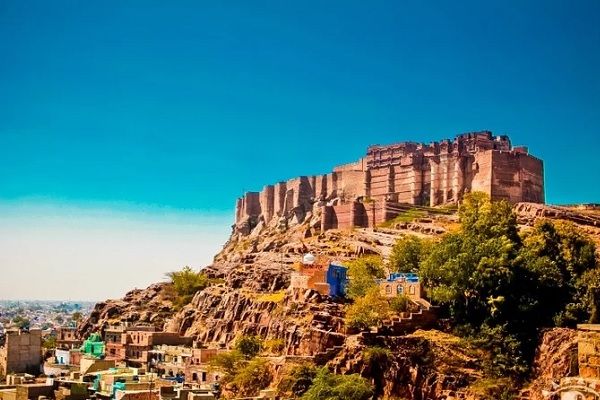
(252, 297)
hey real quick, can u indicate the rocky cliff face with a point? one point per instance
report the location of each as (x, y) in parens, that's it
(152, 305)
(556, 357)
(253, 298)
(422, 365)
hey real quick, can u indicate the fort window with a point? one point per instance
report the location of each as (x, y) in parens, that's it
(400, 290)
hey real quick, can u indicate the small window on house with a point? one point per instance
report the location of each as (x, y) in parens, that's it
(411, 290)
(388, 289)
(400, 290)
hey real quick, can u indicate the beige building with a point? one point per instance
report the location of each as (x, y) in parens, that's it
(22, 352)
(406, 284)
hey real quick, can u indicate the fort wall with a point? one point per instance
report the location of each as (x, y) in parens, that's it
(408, 173)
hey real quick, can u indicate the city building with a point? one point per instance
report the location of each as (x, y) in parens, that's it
(133, 345)
(319, 274)
(66, 338)
(407, 284)
(187, 362)
(22, 352)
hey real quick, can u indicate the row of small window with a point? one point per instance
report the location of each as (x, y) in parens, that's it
(400, 290)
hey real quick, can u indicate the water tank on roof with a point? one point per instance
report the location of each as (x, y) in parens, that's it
(308, 259)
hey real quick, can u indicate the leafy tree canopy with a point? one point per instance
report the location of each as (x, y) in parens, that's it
(362, 273)
(186, 283)
(407, 253)
(249, 346)
(369, 310)
(327, 386)
(496, 283)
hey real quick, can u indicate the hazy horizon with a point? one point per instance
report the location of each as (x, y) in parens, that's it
(108, 249)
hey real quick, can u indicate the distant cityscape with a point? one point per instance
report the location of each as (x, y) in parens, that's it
(46, 315)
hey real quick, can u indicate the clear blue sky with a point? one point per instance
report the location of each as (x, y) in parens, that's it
(169, 110)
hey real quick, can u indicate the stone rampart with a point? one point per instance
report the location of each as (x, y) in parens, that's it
(408, 173)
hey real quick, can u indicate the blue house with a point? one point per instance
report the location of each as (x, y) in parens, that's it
(337, 280)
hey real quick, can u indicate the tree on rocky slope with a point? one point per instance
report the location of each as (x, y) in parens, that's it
(491, 279)
(249, 346)
(407, 253)
(338, 387)
(362, 273)
(186, 283)
(367, 311)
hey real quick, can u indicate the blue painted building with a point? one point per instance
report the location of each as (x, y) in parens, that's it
(337, 280)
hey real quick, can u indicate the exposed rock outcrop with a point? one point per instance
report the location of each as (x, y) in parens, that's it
(254, 269)
(555, 358)
(423, 365)
(152, 305)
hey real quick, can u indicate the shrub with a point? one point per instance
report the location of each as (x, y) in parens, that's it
(228, 362)
(275, 346)
(399, 303)
(186, 283)
(368, 311)
(362, 273)
(275, 297)
(338, 387)
(249, 346)
(252, 377)
(377, 356)
(298, 380)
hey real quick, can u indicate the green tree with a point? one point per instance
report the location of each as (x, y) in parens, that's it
(186, 283)
(362, 273)
(229, 362)
(298, 380)
(252, 377)
(407, 253)
(49, 342)
(505, 357)
(76, 316)
(589, 286)
(501, 288)
(399, 303)
(328, 386)
(471, 271)
(561, 261)
(368, 311)
(21, 322)
(249, 346)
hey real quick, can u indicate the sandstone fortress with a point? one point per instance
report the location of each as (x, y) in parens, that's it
(375, 188)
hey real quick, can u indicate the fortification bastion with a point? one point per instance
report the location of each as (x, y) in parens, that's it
(368, 191)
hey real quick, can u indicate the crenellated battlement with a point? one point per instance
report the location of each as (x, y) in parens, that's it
(403, 173)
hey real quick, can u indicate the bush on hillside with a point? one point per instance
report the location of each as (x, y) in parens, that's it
(338, 387)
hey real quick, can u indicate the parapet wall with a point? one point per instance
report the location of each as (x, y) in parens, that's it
(407, 173)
